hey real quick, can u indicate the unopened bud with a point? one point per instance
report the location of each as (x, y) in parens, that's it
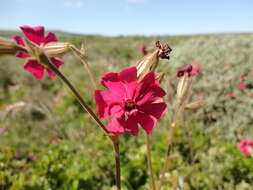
(195, 105)
(82, 50)
(183, 88)
(54, 49)
(8, 46)
(150, 62)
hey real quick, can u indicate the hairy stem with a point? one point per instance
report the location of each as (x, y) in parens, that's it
(79, 54)
(149, 157)
(117, 161)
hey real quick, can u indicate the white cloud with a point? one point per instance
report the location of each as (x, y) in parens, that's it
(135, 1)
(73, 4)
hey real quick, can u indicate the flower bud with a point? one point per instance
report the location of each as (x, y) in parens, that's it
(195, 105)
(148, 64)
(8, 46)
(54, 49)
(183, 88)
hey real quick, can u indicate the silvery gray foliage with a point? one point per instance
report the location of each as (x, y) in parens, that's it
(224, 59)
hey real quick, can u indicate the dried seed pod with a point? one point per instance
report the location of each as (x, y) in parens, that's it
(195, 105)
(183, 88)
(9, 47)
(54, 49)
(149, 62)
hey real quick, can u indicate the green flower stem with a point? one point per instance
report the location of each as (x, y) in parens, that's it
(117, 161)
(149, 157)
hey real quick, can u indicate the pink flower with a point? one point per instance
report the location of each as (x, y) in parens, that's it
(55, 140)
(143, 50)
(241, 86)
(129, 102)
(36, 35)
(242, 77)
(200, 95)
(230, 95)
(192, 69)
(246, 147)
(2, 130)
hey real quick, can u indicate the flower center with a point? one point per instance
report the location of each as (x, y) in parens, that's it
(129, 106)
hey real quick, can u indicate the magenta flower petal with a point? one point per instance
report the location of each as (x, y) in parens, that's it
(19, 40)
(143, 87)
(115, 126)
(50, 73)
(35, 68)
(131, 125)
(34, 34)
(50, 38)
(155, 109)
(112, 83)
(246, 147)
(22, 55)
(129, 102)
(148, 122)
(105, 106)
(56, 62)
(154, 93)
(128, 75)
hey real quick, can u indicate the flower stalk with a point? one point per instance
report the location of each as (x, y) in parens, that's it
(115, 140)
(149, 158)
(80, 54)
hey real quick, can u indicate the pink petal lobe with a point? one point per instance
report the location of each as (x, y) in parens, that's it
(51, 37)
(246, 147)
(153, 93)
(116, 126)
(22, 55)
(19, 40)
(107, 104)
(56, 62)
(147, 122)
(117, 88)
(50, 73)
(35, 68)
(155, 109)
(128, 75)
(144, 85)
(35, 34)
(132, 125)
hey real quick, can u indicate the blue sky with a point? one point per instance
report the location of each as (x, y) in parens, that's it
(124, 17)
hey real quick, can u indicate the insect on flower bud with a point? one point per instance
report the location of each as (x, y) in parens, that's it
(8, 46)
(195, 105)
(54, 49)
(149, 62)
(183, 88)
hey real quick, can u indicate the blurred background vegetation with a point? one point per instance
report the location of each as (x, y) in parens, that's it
(47, 142)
